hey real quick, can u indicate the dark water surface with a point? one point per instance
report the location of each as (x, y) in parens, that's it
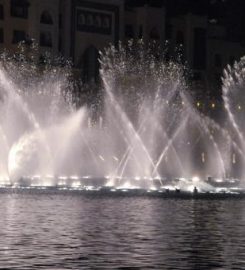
(67, 231)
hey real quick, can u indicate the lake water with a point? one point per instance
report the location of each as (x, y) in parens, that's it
(71, 231)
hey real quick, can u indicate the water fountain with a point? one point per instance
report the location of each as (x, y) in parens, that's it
(149, 135)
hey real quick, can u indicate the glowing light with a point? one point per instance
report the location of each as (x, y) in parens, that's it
(126, 186)
(49, 176)
(239, 107)
(90, 188)
(61, 183)
(74, 177)
(183, 103)
(198, 104)
(190, 188)
(76, 184)
(213, 105)
(168, 187)
(63, 177)
(47, 184)
(195, 179)
(110, 183)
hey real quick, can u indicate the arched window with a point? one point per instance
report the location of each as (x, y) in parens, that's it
(46, 18)
(90, 64)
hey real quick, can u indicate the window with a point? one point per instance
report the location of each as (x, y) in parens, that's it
(60, 21)
(180, 38)
(81, 19)
(97, 21)
(217, 60)
(89, 20)
(232, 59)
(141, 31)
(45, 39)
(60, 43)
(199, 57)
(106, 22)
(154, 34)
(197, 76)
(18, 36)
(19, 8)
(90, 64)
(93, 22)
(168, 31)
(1, 35)
(1, 12)
(46, 18)
(217, 78)
(129, 31)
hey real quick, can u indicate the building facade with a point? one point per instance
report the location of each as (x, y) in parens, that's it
(79, 29)
(86, 28)
(22, 20)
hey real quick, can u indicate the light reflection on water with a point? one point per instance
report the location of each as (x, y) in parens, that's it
(65, 231)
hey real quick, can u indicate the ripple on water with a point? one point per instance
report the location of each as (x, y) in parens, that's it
(73, 232)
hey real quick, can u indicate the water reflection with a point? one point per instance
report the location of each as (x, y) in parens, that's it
(70, 231)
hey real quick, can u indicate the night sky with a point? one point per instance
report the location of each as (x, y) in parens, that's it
(229, 13)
